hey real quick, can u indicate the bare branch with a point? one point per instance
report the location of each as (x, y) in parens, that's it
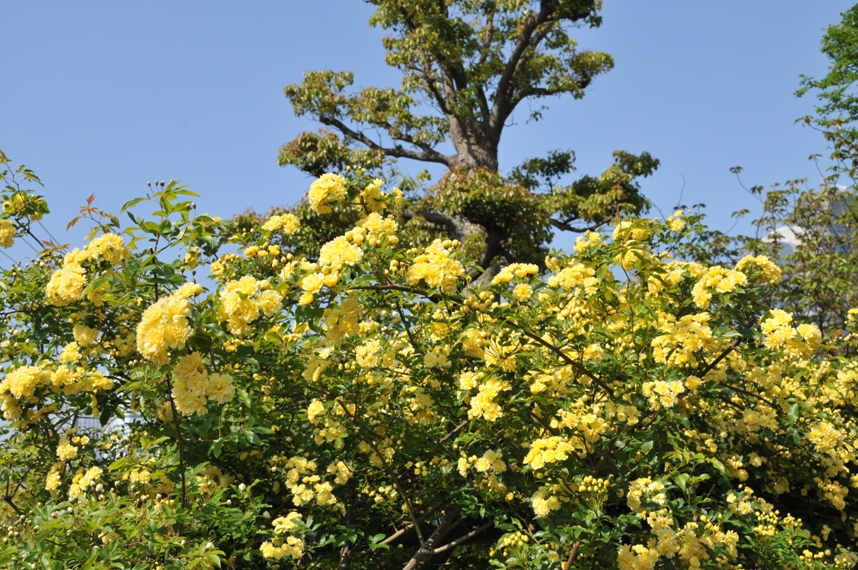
(397, 152)
(427, 549)
(566, 227)
(454, 543)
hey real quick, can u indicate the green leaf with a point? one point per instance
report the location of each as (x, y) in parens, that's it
(215, 447)
(792, 414)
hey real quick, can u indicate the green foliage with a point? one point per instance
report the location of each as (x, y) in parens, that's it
(839, 104)
(374, 407)
(466, 66)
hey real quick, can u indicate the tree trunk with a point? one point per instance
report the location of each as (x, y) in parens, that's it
(474, 147)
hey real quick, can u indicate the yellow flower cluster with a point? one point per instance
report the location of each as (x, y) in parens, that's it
(637, 557)
(587, 420)
(681, 340)
(717, 279)
(585, 242)
(834, 492)
(579, 275)
(645, 488)
(315, 410)
(548, 450)
(264, 251)
(279, 548)
(436, 268)
(662, 394)
(70, 353)
(305, 485)
(490, 462)
(21, 384)
(18, 204)
(345, 251)
(371, 196)
(373, 229)
(342, 473)
(7, 233)
(545, 500)
(52, 481)
(83, 480)
(326, 190)
(633, 257)
(520, 270)
(771, 272)
(675, 222)
(339, 252)
(286, 224)
(67, 283)
(483, 405)
(164, 325)
(824, 437)
(799, 342)
(242, 301)
(630, 231)
(287, 524)
(193, 386)
(65, 450)
(341, 321)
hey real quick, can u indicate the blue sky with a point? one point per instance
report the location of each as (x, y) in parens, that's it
(99, 97)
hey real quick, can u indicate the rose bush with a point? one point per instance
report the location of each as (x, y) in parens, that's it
(373, 407)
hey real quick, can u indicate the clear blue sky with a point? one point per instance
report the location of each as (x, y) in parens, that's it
(99, 97)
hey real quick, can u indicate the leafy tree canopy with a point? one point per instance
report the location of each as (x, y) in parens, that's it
(836, 91)
(466, 66)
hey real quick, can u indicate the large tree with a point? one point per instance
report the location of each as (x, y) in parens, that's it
(838, 105)
(466, 66)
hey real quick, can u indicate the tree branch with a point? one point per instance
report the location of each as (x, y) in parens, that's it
(456, 229)
(454, 543)
(428, 548)
(429, 155)
(518, 97)
(566, 227)
(503, 93)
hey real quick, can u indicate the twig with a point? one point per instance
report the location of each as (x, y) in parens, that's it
(437, 536)
(577, 366)
(572, 555)
(461, 539)
(14, 507)
(179, 440)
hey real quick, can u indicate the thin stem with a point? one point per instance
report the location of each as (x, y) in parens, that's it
(576, 365)
(572, 555)
(179, 440)
(14, 507)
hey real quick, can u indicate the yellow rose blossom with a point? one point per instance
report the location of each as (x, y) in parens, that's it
(675, 222)
(548, 450)
(520, 270)
(286, 224)
(7, 233)
(770, 271)
(339, 252)
(436, 267)
(65, 450)
(163, 326)
(326, 190)
(219, 388)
